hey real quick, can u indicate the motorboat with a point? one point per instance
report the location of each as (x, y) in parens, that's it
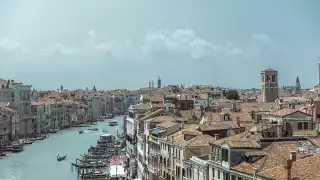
(113, 123)
(53, 130)
(15, 148)
(81, 132)
(27, 141)
(40, 137)
(109, 116)
(93, 129)
(61, 158)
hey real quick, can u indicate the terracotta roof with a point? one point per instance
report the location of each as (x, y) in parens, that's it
(219, 125)
(284, 112)
(303, 169)
(237, 144)
(246, 136)
(274, 155)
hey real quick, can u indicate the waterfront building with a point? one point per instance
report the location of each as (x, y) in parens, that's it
(18, 97)
(95, 107)
(38, 110)
(9, 123)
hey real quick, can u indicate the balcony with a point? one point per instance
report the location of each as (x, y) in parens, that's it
(154, 152)
(152, 169)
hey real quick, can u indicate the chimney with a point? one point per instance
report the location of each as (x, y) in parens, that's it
(238, 121)
(216, 136)
(182, 125)
(172, 138)
(293, 156)
(287, 163)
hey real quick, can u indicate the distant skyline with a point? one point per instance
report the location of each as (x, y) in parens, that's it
(115, 44)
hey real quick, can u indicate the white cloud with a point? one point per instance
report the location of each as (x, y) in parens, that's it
(185, 41)
(263, 38)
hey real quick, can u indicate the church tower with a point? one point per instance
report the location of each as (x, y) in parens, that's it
(269, 85)
(297, 87)
(159, 82)
(61, 88)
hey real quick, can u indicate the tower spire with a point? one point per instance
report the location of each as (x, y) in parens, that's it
(298, 85)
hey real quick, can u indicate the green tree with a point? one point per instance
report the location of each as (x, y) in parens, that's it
(232, 95)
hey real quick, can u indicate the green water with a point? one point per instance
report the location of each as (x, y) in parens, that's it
(38, 160)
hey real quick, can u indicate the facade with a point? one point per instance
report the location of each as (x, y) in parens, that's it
(18, 97)
(9, 124)
(269, 85)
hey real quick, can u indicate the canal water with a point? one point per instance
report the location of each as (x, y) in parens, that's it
(38, 160)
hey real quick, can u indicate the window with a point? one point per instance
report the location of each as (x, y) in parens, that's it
(239, 178)
(299, 125)
(233, 177)
(218, 174)
(305, 125)
(213, 173)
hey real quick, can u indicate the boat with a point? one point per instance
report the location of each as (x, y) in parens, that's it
(105, 131)
(113, 123)
(93, 123)
(15, 148)
(93, 129)
(53, 130)
(2, 154)
(61, 158)
(27, 141)
(109, 116)
(81, 132)
(40, 137)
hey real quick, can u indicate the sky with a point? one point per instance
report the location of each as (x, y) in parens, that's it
(124, 44)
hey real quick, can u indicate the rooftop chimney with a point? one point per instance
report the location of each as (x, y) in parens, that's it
(287, 163)
(238, 121)
(182, 125)
(172, 138)
(293, 155)
(216, 136)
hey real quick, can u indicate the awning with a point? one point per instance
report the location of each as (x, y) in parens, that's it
(155, 131)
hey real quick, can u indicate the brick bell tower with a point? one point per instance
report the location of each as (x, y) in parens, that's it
(269, 85)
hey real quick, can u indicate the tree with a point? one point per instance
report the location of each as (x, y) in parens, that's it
(232, 95)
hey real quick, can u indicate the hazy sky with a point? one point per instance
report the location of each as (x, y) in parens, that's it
(123, 44)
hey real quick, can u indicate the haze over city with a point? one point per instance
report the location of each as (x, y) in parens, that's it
(117, 44)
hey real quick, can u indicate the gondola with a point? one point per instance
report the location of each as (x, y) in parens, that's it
(61, 158)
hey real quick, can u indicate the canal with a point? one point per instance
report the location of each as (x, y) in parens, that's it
(38, 160)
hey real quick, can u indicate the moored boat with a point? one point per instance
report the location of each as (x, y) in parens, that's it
(42, 137)
(109, 116)
(81, 132)
(53, 130)
(15, 148)
(27, 141)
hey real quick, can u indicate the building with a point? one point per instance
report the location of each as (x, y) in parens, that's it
(297, 87)
(269, 85)
(18, 97)
(9, 124)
